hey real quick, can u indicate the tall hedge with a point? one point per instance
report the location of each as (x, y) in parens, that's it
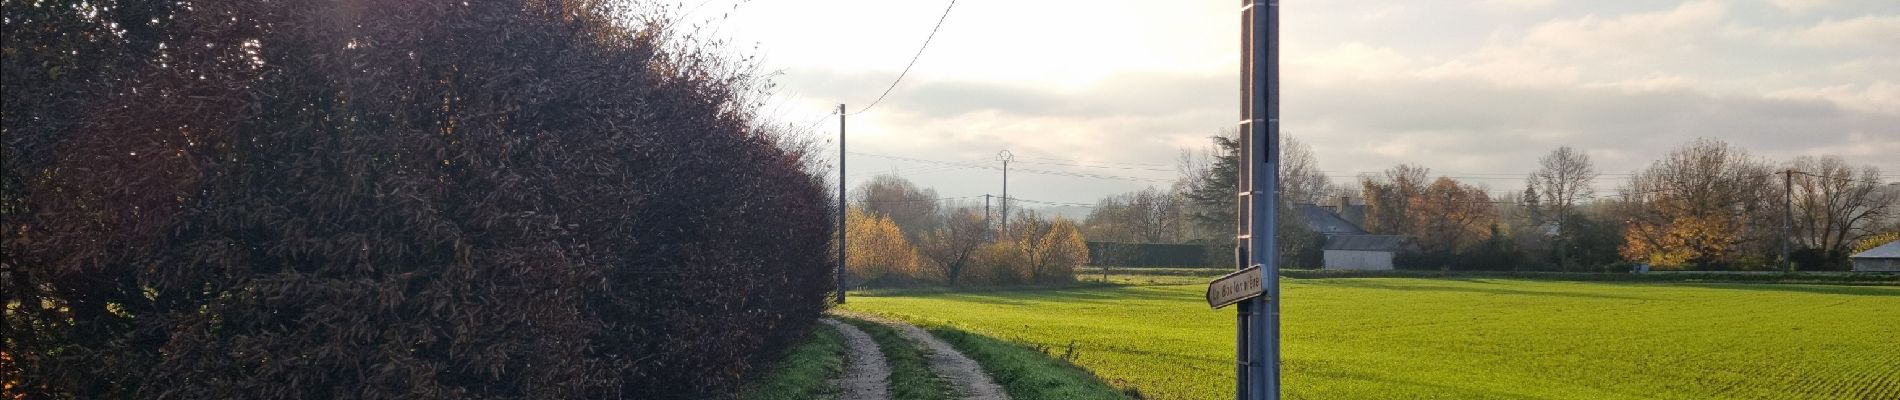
(383, 198)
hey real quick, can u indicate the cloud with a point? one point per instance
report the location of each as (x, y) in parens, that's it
(1674, 29)
(1513, 4)
(1383, 13)
(1472, 125)
(1877, 97)
(1349, 61)
(1487, 96)
(1449, 123)
(1803, 6)
(1508, 66)
(1657, 82)
(1871, 31)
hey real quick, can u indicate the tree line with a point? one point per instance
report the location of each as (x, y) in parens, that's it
(1706, 205)
(898, 234)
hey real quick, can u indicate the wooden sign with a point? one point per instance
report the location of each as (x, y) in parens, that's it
(1234, 288)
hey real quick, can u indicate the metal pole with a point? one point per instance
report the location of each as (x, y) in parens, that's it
(1005, 156)
(1259, 318)
(841, 204)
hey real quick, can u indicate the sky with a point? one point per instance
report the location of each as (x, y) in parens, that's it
(1480, 89)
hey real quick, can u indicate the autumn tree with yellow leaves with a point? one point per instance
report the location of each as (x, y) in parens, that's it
(877, 252)
(1707, 203)
(1048, 249)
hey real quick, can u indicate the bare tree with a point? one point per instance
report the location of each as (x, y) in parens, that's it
(1834, 205)
(1146, 216)
(1565, 179)
(1301, 180)
(913, 209)
(949, 246)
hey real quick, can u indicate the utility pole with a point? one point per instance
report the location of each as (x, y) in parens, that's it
(1258, 319)
(841, 205)
(986, 215)
(1787, 218)
(1005, 156)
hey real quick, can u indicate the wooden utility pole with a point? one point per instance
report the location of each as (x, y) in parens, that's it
(841, 203)
(986, 216)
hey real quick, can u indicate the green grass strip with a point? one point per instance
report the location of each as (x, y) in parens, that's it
(1027, 374)
(911, 378)
(808, 372)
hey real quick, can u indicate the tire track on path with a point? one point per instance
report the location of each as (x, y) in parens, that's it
(965, 375)
(866, 373)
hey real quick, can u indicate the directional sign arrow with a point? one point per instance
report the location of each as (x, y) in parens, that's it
(1235, 287)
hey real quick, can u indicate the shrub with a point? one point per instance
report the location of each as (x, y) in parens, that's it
(491, 199)
(1047, 249)
(879, 254)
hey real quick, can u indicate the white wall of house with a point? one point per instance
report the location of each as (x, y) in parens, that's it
(1358, 259)
(1876, 265)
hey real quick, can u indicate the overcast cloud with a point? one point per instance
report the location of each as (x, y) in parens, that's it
(1468, 88)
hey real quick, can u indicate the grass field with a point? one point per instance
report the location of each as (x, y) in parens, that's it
(1379, 338)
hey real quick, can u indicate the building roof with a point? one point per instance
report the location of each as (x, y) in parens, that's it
(1366, 242)
(1889, 250)
(1326, 222)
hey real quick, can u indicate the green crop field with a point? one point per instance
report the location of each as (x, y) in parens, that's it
(1465, 338)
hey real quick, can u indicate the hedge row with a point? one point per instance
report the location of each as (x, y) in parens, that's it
(378, 199)
(1184, 255)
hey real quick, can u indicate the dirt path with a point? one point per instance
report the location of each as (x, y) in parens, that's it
(865, 372)
(965, 376)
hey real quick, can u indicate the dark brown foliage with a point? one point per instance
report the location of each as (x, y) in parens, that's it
(376, 199)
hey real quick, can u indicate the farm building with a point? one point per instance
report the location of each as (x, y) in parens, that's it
(1883, 258)
(1346, 244)
(1362, 252)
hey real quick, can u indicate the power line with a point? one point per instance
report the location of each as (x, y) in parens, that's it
(913, 59)
(1032, 171)
(1097, 162)
(921, 200)
(1053, 203)
(1097, 166)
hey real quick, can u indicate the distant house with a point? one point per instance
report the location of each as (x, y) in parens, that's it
(1363, 252)
(1346, 244)
(1322, 220)
(1883, 258)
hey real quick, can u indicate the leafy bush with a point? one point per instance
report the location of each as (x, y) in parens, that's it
(349, 199)
(996, 263)
(879, 254)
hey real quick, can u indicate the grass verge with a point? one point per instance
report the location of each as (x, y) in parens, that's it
(808, 372)
(1027, 373)
(910, 378)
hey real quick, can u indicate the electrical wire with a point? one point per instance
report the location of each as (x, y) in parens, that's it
(913, 59)
(1023, 170)
(921, 200)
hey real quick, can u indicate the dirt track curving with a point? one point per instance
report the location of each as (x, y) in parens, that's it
(964, 374)
(866, 373)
